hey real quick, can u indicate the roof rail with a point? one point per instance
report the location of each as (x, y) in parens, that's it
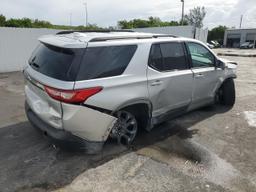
(164, 35)
(91, 31)
(149, 36)
(97, 39)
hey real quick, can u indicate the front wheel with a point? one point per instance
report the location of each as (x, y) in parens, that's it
(126, 127)
(227, 93)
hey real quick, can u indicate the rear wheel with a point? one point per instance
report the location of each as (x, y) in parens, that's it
(126, 127)
(227, 94)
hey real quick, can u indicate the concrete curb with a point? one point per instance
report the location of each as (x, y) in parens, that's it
(236, 55)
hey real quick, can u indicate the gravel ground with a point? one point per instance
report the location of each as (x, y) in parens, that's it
(211, 149)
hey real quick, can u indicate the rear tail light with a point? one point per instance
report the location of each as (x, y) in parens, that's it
(72, 96)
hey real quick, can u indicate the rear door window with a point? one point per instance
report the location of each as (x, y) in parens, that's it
(156, 59)
(173, 56)
(54, 61)
(168, 57)
(100, 62)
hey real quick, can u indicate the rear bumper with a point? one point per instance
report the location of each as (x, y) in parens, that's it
(63, 137)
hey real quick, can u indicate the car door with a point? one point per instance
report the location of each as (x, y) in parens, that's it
(170, 79)
(205, 74)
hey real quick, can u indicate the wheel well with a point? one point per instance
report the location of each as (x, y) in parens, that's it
(221, 85)
(142, 112)
(229, 78)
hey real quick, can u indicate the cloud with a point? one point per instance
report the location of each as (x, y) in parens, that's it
(108, 12)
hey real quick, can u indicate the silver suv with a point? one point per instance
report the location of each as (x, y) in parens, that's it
(85, 87)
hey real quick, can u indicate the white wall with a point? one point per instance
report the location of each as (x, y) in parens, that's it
(16, 46)
(183, 31)
(201, 35)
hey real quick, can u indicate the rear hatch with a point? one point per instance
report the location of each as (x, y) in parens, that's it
(50, 67)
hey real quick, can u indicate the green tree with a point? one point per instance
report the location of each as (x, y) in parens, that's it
(217, 34)
(185, 22)
(25, 22)
(151, 22)
(196, 17)
(139, 23)
(2, 20)
(125, 24)
(154, 21)
(41, 24)
(13, 23)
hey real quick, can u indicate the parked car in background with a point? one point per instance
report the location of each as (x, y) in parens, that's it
(216, 44)
(85, 87)
(246, 45)
(211, 46)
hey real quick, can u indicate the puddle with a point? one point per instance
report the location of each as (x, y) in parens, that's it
(250, 117)
(192, 159)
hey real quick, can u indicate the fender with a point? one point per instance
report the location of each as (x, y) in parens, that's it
(133, 102)
(230, 76)
(138, 101)
(222, 80)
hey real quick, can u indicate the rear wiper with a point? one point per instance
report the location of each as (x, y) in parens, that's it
(35, 65)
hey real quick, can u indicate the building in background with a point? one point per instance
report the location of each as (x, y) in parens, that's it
(233, 38)
(183, 31)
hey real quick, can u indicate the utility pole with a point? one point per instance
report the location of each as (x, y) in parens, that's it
(241, 21)
(254, 42)
(86, 14)
(70, 19)
(182, 15)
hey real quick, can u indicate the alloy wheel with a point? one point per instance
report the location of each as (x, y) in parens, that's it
(126, 128)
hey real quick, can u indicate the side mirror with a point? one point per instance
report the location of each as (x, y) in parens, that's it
(220, 64)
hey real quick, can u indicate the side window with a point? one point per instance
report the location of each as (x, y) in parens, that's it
(167, 57)
(100, 62)
(201, 57)
(156, 59)
(173, 56)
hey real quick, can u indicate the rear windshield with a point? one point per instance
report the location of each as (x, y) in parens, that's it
(100, 62)
(54, 62)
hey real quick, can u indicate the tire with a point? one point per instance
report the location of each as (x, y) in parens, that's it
(228, 93)
(126, 128)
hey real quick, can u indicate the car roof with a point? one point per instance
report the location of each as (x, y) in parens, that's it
(79, 39)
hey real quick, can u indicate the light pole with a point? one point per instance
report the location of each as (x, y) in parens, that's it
(182, 15)
(254, 42)
(241, 21)
(86, 14)
(70, 19)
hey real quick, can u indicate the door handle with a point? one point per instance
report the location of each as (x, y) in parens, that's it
(156, 83)
(198, 75)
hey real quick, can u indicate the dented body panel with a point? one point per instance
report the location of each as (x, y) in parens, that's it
(89, 124)
(48, 109)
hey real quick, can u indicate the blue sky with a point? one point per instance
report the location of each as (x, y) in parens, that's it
(108, 12)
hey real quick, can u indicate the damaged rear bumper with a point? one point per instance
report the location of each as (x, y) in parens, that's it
(74, 136)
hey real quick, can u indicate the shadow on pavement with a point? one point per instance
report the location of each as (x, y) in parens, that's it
(175, 127)
(28, 160)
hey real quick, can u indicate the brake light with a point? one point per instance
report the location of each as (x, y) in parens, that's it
(72, 96)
